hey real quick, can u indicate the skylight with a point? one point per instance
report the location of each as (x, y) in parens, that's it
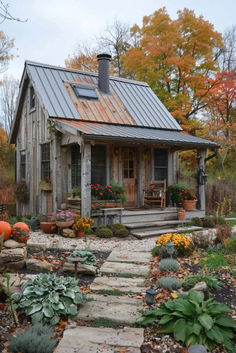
(85, 92)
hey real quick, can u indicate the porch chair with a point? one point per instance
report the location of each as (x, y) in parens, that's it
(153, 197)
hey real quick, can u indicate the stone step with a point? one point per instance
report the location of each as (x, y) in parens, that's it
(101, 340)
(138, 257)
(124, 285)
(125, 269)
(121, 310)
(154, 233)
(149, 217)
(142, 226)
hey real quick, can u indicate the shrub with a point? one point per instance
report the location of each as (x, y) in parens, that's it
(155, 250)
(87, 257)
(231, 245)
(196, 221)
(220, 220)
(168, 264)
(211, 281)
(104, 232)
(169, 283)
(194, 321)
(35, 339)
(47, 297)
(208, 222)
(119, 230)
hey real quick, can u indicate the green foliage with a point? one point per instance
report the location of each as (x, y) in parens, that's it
(169, 283)
(208, 222)
(174, 192)
(211, 281)
(110, 292)
(155, 250)
(196, 221)
(104, 323)
(35, 339)
(119, 230)
(220, 220)
(168, 264)
(230, 245)
(46, 297)
(104, 232)
(194, 321)
(76, 191)
(162, 252)
(214, 260)
(87, 257)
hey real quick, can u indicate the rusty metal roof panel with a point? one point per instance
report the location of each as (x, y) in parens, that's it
(129, 103)
(135, 133)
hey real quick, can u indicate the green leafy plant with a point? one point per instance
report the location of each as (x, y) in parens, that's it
(192, 320)
(208, 222)
(47, 297)
(76, 191)
(174, 192)
(196, 221)
(104, 232)
(168, 264)
(211, 281)
(230, 245)
(169, 283)
(35, 339)
(104, 323)
(214, 260)
(119, 230)
(87, 257)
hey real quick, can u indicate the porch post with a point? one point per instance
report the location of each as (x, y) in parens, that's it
(140, 184)
(201, 155)
(86, 180)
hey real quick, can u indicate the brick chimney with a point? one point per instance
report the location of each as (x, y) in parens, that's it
(103, 72)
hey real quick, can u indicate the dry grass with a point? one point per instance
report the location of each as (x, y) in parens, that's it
(7, 195)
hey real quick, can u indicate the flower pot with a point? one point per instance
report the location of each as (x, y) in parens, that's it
(45, 186)
(64, 224)
(80, 234)
(181, 215)
(189, 205)
(48, 227)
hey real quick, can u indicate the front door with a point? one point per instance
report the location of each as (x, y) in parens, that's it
(129, 171)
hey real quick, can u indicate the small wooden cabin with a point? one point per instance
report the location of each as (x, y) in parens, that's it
(79, 128)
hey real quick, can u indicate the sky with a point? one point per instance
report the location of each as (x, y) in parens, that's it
(55, 27)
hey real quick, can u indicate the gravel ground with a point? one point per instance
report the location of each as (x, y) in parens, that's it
(59, 242)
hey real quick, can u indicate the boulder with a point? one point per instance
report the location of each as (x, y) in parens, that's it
(38, 265)
(197, 348)
(204, 238)
(234, 230)
(12, 259)
(82, 268)
(68, 233)
(12, 244)
(36, 246)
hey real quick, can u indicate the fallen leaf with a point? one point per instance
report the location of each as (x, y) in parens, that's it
(139, 297)
(174, 295)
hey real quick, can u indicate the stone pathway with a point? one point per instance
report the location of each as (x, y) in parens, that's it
(119, 309)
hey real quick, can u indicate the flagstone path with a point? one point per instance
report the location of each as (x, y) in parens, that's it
(121, 309)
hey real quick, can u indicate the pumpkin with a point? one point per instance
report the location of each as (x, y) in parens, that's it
(5, 228)
(22, 226)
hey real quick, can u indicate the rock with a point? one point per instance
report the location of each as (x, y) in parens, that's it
(12, 259)
(12, 244)
(12, 266)
(36, 246)
(200, 287)
(204, 238)
(68, 233)
(234, 230)
(38, 265)
(101, 339)
(82, 268)
(125, 268)
(133, 285)
(130, 257)
(197, 348)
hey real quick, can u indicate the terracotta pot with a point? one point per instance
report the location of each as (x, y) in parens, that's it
(48, 227)
(62, 224)
(181, 215)
(80, 234)
(189, 205)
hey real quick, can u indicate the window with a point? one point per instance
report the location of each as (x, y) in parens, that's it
(160, 164)
(45, 160)
(98, 165)
(75, 166)
(128, 163)
(85, 92)
(22, 164)
(32, 98)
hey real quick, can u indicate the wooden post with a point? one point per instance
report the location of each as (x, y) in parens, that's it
(86, 180)
(201, 188)
(140, 171)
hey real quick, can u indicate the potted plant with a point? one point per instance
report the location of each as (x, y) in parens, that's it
(48, 224)
(64, 219)
(21, 191)
(45, 184)
(174, 193)
(76, 192)
(82, 226)
(189, 199)
(111, 195)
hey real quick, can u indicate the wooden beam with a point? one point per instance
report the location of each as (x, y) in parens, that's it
(140, 174)
(86, 180)
(68, 139)
(201, 188)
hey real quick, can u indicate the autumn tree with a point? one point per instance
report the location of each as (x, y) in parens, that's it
(178, 59)
(84, 59)
(5, 13)
(5, 47)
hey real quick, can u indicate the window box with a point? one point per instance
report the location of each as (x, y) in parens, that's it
(45, 186)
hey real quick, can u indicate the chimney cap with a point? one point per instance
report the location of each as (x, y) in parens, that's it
(104, 56)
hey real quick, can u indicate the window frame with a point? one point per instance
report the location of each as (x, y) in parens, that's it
(76, 167)
(22, 164)
(160, 167)
(76, 89)
(45, 161)
(32, 99)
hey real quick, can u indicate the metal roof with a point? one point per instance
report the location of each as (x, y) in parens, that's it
(129, 103)
(134, 133)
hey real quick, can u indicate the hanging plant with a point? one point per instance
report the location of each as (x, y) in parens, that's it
(21, 191)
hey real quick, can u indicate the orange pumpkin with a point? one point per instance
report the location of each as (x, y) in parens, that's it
(5, 228)
(22, 226)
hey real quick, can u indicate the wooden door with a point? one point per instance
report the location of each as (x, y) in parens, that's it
(129, 172)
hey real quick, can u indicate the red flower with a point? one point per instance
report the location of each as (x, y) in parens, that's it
(100, 193)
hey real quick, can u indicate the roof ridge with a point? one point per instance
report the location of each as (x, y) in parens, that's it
(114, 78)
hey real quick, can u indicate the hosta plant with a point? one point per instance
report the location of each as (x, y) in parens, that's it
(87, 257)
(194, 321)
(169, 264)
(47, 297)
